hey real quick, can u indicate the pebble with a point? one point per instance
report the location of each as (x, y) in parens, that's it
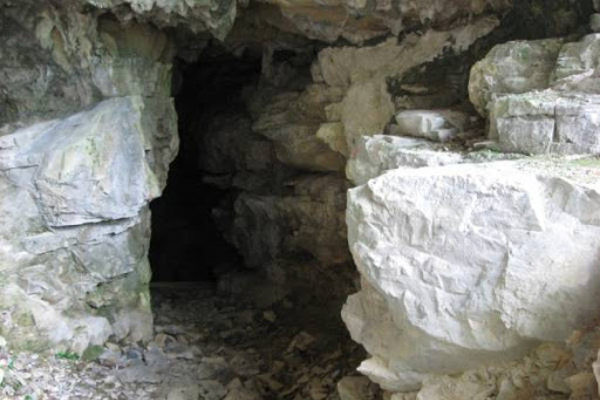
(269, 316)
(190, 358)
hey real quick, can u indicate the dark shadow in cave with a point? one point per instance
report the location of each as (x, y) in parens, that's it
(186, 244)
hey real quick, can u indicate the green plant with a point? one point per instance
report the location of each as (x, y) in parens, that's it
(92, 353)
(66, 355)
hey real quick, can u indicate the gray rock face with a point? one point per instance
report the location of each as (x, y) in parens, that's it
(513, 67)
(76, 168)
(291, 120)
(36, 73)
(82, 185)
(460, 265)
(214, 16)
(54, 66)
(549, 105)
(357, 21)
(76, 187)
(547, 122)
(311, 219)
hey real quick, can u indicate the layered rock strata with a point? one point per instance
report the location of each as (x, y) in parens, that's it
(427, 216)
(76, 185)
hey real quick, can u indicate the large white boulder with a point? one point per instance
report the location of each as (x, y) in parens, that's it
(470, 264)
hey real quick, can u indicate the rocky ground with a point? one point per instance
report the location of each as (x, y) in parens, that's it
(205, 347)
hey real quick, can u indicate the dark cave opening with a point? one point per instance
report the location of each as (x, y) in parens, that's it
(186, 242)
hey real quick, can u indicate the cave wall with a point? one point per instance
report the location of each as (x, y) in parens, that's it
(447, 244)
(88, 130)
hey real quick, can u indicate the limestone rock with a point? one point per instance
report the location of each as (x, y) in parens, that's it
(291, 120)
(547, 122)
(595, 22)
(577, 66)
(429, 305)
(36, 76)
(513, 67)
(74, 183)
(229, 146)
(344, 66)
(596, 368)
(545, 106)
(376, 154)
(357, 22)
(363, 72)
(355, 388)
(435, 125)
(61, 59)
(311, 220)
(366, 110)
(332, 133)
(215, 16)
(82, 236)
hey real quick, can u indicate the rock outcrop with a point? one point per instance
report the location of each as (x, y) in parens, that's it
(76, 227)
(548, 103)
(453, 267)
(76, 185)
(458, 252)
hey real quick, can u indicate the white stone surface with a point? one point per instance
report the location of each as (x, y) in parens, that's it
(376, 154)
(461, 267)
(541, 96)
(436, 125)
(547, 122)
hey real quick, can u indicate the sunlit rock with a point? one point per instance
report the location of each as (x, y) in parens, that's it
(460, 265)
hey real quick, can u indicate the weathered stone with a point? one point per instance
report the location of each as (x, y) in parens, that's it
(577, 65)
(332, 133)
(595, 22)
(547, 122)
(429, 306)
(85, 231)
(513, 67)
(546, 106)
(596, 368)
(376, 154)
(215, 16)
(291, 120)
(344, 66)
(436, 125)
(354, 388)
(314, 215)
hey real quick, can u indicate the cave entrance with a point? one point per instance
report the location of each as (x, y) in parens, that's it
(248, 327)
(187, 244)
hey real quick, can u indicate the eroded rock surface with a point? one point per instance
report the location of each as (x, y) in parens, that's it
(454, 275)
(544, 106)
(83, 225)
(463, 262)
